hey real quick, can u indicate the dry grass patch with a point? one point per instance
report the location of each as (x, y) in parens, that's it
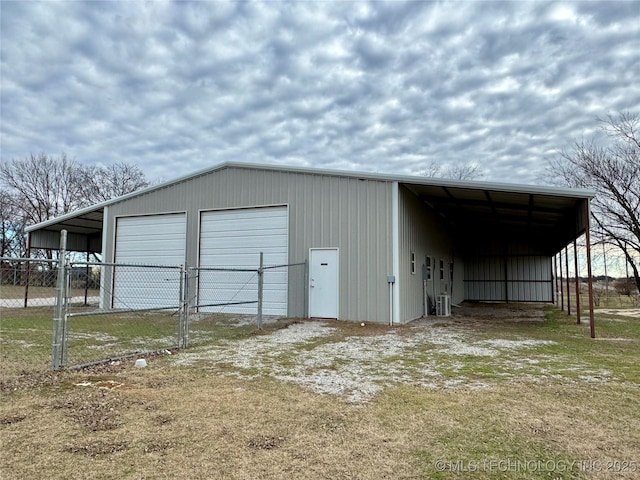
(202, 425)
(96, 411)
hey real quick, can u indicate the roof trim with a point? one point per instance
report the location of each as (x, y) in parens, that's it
(415, 180)
(67, 216)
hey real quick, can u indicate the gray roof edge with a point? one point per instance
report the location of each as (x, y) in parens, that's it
(415, 180)
(66, 216)
(431, 181)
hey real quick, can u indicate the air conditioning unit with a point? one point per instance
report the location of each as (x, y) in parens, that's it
(443, 305)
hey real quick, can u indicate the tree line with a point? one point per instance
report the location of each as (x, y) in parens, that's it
(41, 187)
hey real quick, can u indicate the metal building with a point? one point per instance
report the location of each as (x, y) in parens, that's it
(380, 248)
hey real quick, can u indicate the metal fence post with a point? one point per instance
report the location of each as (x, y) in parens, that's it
(186, 308)
(59, 311)
(183, 328)
(260, 288)
(65, 311)
(306, 289)
(181, 308)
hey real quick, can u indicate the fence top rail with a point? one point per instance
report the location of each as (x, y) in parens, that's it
(284, 265)
(115, 311)
(229, 269)
(223, 269)
(139, 265)
(33, 260)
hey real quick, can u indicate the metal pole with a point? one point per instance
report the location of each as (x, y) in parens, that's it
(575, 262)
(561, 283)
(506, 276)
(606, 275)
(187, 307)
(59, 308)
(260, 287)
(87, 274)
(390, 304)
(65, 310)
(306, 288)
(27, 272)
(566, 261)
(554, 295)
(592, 321)
(181, 315)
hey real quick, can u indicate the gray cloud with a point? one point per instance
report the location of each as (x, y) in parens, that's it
(373, 86)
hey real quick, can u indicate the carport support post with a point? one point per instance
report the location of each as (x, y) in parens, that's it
(260, 287)
(561, 282)
(58, 320)
(587, 226)
(554, 294)
(575, 263)
(87, 273)
(566, 261)
(27, 272)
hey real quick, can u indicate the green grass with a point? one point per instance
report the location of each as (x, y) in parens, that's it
(27, 334)
(17, 292)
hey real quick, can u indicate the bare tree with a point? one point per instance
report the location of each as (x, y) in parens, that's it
(612, 170)
(42, 187)
(466, 171)
(103, 183)
(11, 227)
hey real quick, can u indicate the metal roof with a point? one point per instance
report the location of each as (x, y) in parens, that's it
(509, 209)
(537, 218)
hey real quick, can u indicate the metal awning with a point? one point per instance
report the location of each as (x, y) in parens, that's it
(84, 231)
(551, 221)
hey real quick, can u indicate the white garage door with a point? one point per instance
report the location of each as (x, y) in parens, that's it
(149, 240)
(234, 239)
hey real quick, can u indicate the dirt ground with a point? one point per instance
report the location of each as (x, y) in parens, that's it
(432, 352)
(626, 312)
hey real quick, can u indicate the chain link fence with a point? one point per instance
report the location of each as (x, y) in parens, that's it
(104, 312)
(26, 282)
(138, 309)
(224, 299)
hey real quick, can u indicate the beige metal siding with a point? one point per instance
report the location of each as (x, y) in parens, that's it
(75, 242)
(530, 279)
(422, 232)
(519, 273)
(484, 279)
(324, 211)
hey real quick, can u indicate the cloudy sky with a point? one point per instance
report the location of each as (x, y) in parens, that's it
(389, 87)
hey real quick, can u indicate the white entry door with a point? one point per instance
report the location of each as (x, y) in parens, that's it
(323, 282)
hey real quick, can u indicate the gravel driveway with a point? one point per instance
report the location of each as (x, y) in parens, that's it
(432, 353)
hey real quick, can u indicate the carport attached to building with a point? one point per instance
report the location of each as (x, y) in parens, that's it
(481, 241)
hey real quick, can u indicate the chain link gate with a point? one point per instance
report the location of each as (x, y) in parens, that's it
(106, 312)
(145, 309)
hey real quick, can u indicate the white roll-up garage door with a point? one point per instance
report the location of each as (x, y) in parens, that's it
(234, 239)
(149, 240)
